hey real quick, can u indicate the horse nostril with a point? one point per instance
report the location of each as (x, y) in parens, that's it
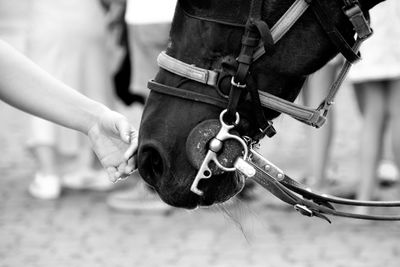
(151, 165)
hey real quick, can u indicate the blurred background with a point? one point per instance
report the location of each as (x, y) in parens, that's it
(95, 224)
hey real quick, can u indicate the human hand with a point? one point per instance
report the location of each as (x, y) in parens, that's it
(114, 140)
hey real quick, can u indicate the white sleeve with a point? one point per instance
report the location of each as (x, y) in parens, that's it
(149, 11)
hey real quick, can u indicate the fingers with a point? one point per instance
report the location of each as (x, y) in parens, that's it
(129, 135)
(111, 171)
(123, 171)
(122, 168)
(115, 175)
(130, 166)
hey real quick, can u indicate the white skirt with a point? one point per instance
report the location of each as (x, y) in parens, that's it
(381, 52)
(67, 38)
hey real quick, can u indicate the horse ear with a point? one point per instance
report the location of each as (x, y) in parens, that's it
(368, 4)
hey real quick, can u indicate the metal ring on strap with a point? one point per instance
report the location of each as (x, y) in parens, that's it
(237, 84)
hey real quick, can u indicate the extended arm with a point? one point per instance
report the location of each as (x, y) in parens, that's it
(27, 87)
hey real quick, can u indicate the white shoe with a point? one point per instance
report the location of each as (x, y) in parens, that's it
(387, 172)
(45, 186)
(87, 180)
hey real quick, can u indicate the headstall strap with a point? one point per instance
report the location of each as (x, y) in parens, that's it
(255, 30)
(250, 40)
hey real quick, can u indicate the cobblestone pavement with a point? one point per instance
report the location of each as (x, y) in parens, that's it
(79, 229)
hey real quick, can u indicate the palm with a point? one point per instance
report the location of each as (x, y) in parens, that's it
(110, 140)
(109, 149)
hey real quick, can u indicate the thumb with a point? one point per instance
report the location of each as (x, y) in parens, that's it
(125, 130)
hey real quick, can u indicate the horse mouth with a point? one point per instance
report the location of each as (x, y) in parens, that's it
(173, 187)
(216, 190)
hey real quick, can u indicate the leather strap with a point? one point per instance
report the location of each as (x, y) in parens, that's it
(186, 94)
(309, 116)
(219, 21)
(304, 200)
(286, 22)
(301, 113)
(255, 30)
(189, 71)
(360, 24)
(333, 33)
(327, 103)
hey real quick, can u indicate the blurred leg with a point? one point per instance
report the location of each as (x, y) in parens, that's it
(46, 183)
(373, 98)
(317, 89)
(146, 42)
(394, 109)
(42, 144)
(45, 156)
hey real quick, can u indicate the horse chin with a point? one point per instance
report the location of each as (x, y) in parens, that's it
(217, 189)
(224, 188)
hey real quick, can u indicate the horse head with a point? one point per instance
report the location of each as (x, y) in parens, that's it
(208, 34)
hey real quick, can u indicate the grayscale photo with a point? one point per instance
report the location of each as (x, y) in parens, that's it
(191, 133)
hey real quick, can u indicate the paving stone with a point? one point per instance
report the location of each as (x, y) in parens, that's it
(79, 229)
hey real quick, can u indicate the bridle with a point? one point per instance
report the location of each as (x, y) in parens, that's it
(257, 40)
(212, 78)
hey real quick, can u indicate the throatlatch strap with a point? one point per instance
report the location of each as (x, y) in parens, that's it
(361, 26)
(334, 34)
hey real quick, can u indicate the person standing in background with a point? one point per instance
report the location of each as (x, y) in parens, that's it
(376, 80)
(149, 23)
(29, 88)
(315, 90)
(67, 38)
(14, 23)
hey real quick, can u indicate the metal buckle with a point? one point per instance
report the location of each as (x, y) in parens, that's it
(304, 210)
(269, 130)
(360, 23)
(221, 77)
(239, 85)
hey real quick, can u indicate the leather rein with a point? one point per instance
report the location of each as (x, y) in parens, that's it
(257, 40)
